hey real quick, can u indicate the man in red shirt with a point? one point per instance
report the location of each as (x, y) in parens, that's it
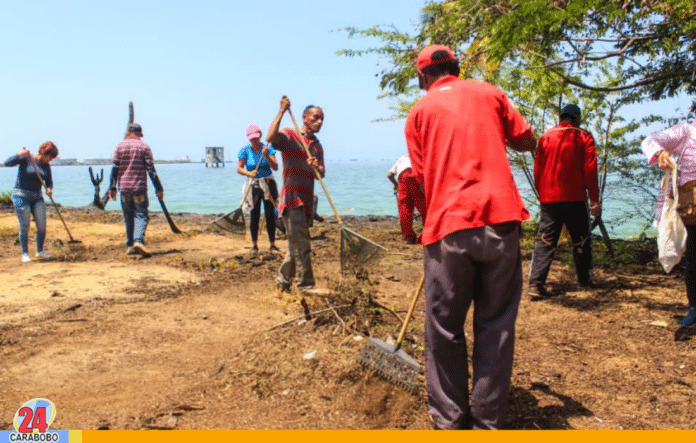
(456, 137)
(565, 176)
(409, 195)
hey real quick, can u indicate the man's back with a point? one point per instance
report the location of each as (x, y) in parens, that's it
(565, 169)
(461, 127)
(131, 157)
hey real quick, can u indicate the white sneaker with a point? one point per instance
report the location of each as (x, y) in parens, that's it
(141, 249)
(26, 258)
(43, 255)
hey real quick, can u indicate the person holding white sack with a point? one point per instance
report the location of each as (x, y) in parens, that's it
(680, 141)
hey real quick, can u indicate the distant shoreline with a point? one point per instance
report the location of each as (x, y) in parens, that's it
(102, 162)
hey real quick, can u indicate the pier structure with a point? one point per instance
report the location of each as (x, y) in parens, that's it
(214, 156)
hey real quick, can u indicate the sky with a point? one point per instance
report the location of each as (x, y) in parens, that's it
(197, 73)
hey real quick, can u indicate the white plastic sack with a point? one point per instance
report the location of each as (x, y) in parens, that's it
(671, 232)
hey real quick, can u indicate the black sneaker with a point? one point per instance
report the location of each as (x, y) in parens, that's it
(539, 291)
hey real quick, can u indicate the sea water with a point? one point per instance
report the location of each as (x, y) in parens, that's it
(356, 187)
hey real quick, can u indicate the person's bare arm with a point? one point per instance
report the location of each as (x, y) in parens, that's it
(390, 176)
(273, 163)
(273, 135)
(241, 169)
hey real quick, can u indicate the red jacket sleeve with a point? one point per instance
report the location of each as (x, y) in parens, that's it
(590, 168)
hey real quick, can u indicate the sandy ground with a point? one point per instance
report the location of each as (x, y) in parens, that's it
(195, 336)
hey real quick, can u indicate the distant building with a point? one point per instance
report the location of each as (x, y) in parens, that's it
(214, 156)
(64, 161)
(96, 161)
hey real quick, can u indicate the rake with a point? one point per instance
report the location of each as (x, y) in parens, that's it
(234, 221)
(356, 250)
(36, 169)
(390, 361)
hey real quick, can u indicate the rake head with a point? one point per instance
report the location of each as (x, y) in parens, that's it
(357, 251)
(396, 367)
(232, 222)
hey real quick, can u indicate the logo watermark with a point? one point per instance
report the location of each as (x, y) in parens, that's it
(32, 422)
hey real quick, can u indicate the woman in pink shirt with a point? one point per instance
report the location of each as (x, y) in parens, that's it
(679, 140)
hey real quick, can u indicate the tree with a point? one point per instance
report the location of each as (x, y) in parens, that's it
(604, 55)
(654, 42)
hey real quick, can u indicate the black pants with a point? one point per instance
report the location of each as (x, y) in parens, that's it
(268, 211)
(577, 220)
(690, 265)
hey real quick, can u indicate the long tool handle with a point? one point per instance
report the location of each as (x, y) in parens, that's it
(316, 173)
(248, 188)
(410, 313)
(172, 226)
(36, 169)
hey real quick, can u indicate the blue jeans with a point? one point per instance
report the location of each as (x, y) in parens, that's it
(135, 216)
(27, 203)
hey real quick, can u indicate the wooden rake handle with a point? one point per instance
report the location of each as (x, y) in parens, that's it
(316, 173)
(246, 191)
(36, 169)
(410, 313)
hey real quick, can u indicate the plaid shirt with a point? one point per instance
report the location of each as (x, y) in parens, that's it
(132, 161)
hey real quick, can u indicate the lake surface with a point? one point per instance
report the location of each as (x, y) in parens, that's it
(361, 185)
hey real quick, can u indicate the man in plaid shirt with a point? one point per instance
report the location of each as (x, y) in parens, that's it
(132, 160)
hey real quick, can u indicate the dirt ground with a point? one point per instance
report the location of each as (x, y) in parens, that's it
(195, 336)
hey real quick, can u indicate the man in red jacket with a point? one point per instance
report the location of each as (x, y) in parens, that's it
(565, 176)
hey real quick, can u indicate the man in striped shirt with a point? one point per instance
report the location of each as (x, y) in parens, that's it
(132, 161)
(296, 205)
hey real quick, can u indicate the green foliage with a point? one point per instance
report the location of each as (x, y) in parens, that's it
(654, 43)
(6, 199)
(603, 55)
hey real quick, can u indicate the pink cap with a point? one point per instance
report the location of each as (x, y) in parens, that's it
(253, 131)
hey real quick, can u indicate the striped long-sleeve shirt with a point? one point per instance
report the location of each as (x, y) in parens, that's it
(298, 177)
(132, 162)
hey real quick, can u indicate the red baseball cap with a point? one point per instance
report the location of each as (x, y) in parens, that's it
(425, 57)
(253, 131)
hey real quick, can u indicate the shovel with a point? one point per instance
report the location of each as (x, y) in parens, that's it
(36, 169)
(356, 250)
(390, 361)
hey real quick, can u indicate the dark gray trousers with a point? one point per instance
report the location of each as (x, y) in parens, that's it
(482, 266)
(577, 220)
(298, 258)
